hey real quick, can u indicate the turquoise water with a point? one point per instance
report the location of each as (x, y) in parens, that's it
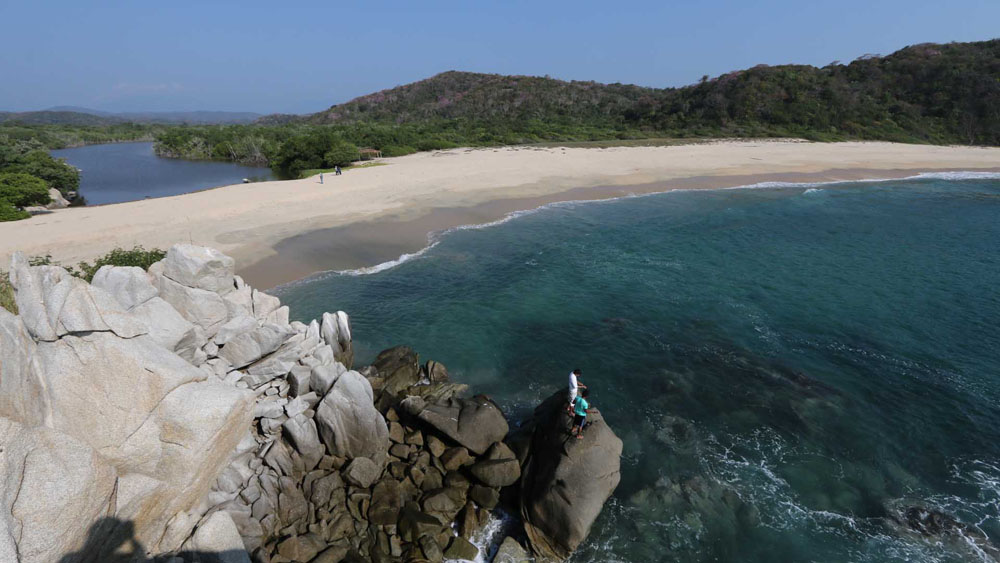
(786, 366)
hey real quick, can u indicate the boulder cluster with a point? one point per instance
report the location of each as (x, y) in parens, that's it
(177, 415)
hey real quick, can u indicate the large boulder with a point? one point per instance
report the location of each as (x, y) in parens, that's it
(199, 267)
(172, 331)
(348, 422)
(500, 467)
(399, 367)
(57, 201)
(335, 330)
(565, 481)
(475, 423)
(362, 472)
(52, 303)
(53, 487)
(199, 306)
(129, 285)
(248, 347)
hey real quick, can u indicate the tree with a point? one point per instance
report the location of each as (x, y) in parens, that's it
(341, 153)
(23, 190)
(10, 213)
(55, 172)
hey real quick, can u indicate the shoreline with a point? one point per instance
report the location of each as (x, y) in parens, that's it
(285, 230)
(368, 247)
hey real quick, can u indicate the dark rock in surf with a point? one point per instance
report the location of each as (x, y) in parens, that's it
(936, 524)
(565, 481)
(475, 423)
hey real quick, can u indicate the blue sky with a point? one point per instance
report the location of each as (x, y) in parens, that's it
(300, 57)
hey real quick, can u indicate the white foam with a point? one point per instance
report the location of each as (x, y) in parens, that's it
(958, 175)
(812, 191)
(387, 265)
(487, 540)
(810, 187)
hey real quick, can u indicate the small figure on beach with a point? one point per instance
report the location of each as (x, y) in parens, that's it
(580, 410)
(337, 170)
(320, 177)
(574, 387)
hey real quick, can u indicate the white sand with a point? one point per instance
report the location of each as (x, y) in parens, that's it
(245, 220)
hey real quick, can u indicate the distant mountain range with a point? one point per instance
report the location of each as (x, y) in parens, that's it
(73, 115)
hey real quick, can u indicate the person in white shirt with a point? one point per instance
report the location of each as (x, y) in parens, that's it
(574, 387)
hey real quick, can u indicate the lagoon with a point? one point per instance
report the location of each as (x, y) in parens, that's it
(120, 172)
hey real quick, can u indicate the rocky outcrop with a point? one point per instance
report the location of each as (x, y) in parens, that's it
(121, 393)
(181, 414)
(176, 413)
(565, 481)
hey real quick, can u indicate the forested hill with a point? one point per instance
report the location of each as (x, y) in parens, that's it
(946, 93)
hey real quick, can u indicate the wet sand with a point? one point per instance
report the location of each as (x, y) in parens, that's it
(368, 244)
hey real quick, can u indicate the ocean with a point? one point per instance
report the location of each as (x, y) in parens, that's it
(790, 367)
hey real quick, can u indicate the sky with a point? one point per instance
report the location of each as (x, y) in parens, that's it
(303, 56)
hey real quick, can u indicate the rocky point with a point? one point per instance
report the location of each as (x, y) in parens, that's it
(176, 415)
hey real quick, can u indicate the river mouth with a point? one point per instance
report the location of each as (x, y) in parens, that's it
(120, 172)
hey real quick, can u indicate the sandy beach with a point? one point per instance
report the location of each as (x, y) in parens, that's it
(282, 231)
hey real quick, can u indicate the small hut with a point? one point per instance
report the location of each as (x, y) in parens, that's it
(369, 153)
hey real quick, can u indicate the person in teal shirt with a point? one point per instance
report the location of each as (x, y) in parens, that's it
(580, 406)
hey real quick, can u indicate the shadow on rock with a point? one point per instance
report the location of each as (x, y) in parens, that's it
(110, 540)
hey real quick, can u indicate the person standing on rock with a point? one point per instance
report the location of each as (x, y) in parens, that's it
(574, 387)
(580, 411)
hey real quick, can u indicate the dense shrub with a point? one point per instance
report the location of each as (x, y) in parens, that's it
(137, 256)
(56, 173)
(395, 150)
(23, 190)
(341, 153)
(10, 213)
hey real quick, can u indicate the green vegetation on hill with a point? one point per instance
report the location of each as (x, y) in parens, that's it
(921, 94)
(65, 136)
